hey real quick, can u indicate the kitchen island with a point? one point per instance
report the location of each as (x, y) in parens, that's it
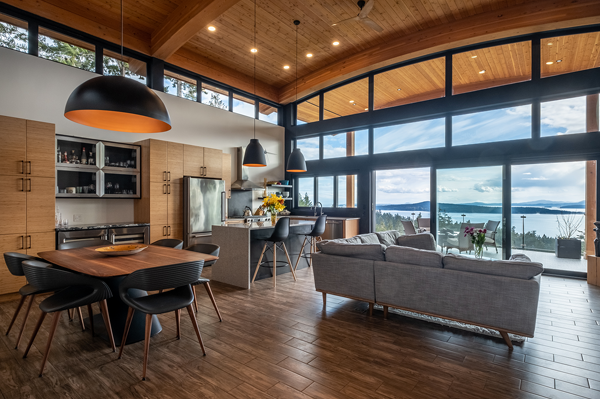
(241, 245)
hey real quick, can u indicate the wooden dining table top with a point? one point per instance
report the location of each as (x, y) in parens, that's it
(88, 261)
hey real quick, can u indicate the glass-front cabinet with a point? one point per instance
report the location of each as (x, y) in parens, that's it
(88, 168)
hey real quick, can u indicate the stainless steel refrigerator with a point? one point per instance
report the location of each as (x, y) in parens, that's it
(204, 205)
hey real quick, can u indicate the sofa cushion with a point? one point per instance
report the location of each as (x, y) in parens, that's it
(351, 240)
(419, 241)
(506, 268)
(370, 238)
(520, 257)
(353, 250)
(413, 256)
(388, 238)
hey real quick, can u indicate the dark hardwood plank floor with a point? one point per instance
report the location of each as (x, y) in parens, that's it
(282, 344)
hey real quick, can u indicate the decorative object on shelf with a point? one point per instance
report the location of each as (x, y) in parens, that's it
(477, 238)
(296, 162)
(274, 205)
(118, 103)
(122, 250)
(284, 182)
(255, 153)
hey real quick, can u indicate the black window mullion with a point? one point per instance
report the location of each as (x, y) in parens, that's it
(99, 59)
(32, 38)
(230, 104)
(335, 191)
(199, 90)
(371, 92)
(321, 106)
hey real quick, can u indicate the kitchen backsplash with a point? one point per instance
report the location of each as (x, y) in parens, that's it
(92, 211)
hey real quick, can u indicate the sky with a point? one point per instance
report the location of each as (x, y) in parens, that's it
(410, 136)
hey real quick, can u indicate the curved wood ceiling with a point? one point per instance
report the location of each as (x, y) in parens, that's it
(176, 30)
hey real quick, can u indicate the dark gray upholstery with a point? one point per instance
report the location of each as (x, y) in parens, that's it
(169, 242)
(344, 276)
(419, 241)
(506, 268)
(369, 238)
(362, 251)
(413, 256)
(388, 238)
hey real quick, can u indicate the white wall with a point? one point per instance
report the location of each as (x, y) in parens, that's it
(37, 89)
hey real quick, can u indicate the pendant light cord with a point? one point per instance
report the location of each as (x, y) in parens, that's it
(296, 99)
(122, 32)
(254, 73)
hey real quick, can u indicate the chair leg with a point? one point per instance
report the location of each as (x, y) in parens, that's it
(507, 340)
(370, 308)
(301, 252)
(385, 312)
(35, 331)
(81, 319)
(324, 299)
(91, 316)
(274, 265)
(195, 298)
(147, 343)
(126, 332)
(178, 322)
(195, 324)
(71, 314)
(50, 338)
(19, 306)
(259, 261)
(212, 298)
(312, 250)
(24, 321)
(287, 255)
(106, 318)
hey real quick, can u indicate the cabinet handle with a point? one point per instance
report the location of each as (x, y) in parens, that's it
(164, 231)
(22, 184)
(168, 189)
(169, 176)
(22, 242)
(22, 167)
(164, 176)
(169, 231)
(29, 163)
(164, 188)
(29, 185)
(29, 238)
(204, 169)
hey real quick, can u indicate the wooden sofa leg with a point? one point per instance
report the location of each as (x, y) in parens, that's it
(506, 339)
(324, 299)
(385, 312)
(370, 309)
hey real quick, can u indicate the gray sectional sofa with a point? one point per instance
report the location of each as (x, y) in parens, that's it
(406, 272)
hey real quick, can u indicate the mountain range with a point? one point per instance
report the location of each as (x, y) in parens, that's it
(526, 208)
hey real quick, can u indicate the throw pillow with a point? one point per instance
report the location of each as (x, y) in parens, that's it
(389, 237)
(419, 241)
(370, 238)
(361, 251)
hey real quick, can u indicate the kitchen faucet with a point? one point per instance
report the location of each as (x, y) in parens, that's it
(321, 206)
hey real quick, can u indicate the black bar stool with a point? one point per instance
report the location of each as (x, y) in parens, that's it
(313, 237)
(280, 234)
(169, 242)
(210, 249)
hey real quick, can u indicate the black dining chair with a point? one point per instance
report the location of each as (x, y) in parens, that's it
(210, 249)
(169, 242)
(177, 278)
(14, 262)
(280, 234)
(71, 291)
(312, 237)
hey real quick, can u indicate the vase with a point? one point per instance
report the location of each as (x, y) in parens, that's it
(479, 251)
(273, 218)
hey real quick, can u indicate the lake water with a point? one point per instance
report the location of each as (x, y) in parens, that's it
(541, 224)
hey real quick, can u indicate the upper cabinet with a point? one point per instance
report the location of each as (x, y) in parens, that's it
(202, 162)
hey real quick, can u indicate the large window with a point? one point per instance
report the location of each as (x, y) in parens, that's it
(133, 69)
(325, 191)
(412, 83)
(309, 147)
(13, 33)
(346, 191)
(215, 96)
(306, 191)
(66, 50)
(346, 144)
(267, 113)
(565, 54)
(569, 116)
(349, 99)
(490, 126)
(410, 136)
(180, 86)
(243, 105)
(308, 111)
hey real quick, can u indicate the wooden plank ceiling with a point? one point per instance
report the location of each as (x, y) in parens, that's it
(176, 30)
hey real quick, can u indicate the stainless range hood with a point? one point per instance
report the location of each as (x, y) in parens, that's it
(242, 183)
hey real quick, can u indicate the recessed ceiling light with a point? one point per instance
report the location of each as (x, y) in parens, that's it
(482, 71)
(286, 67)
(549, 44)
(558, 60)
(549, 63)
(336, 43)
(366, 109)
(474, 56)
(253, 50)
(309, 55)
(351, 101)
(398, 89)
(212, 28)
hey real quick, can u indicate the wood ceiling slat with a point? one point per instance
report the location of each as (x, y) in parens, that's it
(577, 52)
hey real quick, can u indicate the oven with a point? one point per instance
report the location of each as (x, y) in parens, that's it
(116, 235)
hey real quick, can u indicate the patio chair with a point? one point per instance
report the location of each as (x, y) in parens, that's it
(409, 227)
(460, 242)
(424, 224)
(490, 236)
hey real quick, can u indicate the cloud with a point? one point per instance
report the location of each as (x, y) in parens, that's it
(563, 116)
(482, 188)
(442, 189)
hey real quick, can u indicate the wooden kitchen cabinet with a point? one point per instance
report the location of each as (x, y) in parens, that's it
(13, 151)
(154, 155)
(40, 242)
(226, 173)
(11, 243)
(213, 163)
(13, 205)
(202, 162)
(40, 211)
(41, 152)
(175, 162)
(175, 210)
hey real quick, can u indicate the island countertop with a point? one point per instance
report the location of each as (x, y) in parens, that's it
(262, 225)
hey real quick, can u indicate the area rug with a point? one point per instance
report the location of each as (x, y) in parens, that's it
(451, 323)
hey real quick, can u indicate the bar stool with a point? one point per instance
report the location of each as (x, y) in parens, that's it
(169, 242)
(313, 236)
(280, 234)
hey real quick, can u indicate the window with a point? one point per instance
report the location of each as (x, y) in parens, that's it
(565, 54)
(215, 96)
(410, 136)
(13, 33)
(309, 147)
(566, 116)
(180, 86)
(267, 113)
(66, 50)
(491, 67)
(134, 69)
(349, 99)
(409, 84)
(489, 126)
(308, 111)
(306, 191)
(346, 144)
(325, 191)
(346, 191)
(243, 105)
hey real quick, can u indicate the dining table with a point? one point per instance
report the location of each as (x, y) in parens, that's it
(112, 270)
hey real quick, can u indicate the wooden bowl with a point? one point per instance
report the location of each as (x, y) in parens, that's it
(122, 250)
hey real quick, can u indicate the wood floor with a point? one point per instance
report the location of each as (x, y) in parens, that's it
(283, 344)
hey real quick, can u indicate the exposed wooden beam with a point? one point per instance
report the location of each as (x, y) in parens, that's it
(188, 19)
(530, 17)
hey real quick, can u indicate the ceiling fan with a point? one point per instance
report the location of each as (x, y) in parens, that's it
(363, 16)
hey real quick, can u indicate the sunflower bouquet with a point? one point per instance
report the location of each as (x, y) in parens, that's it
(273, 204)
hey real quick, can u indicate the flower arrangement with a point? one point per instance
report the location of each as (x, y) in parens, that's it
(273, 204)
(477, 238)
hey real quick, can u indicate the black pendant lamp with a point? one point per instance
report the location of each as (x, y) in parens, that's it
(296, 162)
(118, 103)
(255, 153)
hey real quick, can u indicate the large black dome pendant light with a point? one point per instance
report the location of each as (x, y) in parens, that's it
(296, 162)
(118, 103)
(255, 154)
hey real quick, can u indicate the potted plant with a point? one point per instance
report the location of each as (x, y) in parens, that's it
(568, 241)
